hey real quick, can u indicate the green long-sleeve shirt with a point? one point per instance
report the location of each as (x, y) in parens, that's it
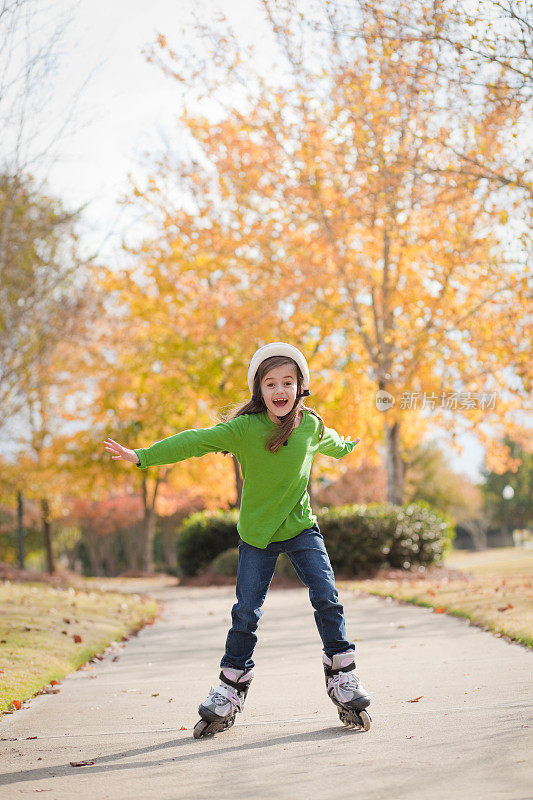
(275, 503)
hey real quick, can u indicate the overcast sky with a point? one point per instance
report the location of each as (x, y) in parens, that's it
(124, 107)
(124, 102)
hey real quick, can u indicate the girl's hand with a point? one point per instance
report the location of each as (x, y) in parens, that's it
(117, 451)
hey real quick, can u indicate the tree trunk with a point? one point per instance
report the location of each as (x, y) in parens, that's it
(149, 535)
(91, 541)
(20, 528)
(394, 464)
(47, 536)
(478, 532)
(134, 546)
(238, 483)
(147, 555)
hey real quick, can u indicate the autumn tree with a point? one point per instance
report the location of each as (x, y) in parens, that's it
(484, 45)
(47, 309)
(333, 192)
(150, 379)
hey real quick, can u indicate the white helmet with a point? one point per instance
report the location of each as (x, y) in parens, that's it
(279, 349)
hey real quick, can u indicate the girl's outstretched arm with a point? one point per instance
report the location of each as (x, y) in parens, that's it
(334, 445)
(195, 442)
(118, 451)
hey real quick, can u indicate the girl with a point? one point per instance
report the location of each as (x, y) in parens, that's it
(274, 437)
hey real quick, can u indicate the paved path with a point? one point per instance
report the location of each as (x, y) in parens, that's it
(470, 734)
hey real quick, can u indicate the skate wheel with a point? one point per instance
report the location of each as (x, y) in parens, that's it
(199, 728)
(365, 719)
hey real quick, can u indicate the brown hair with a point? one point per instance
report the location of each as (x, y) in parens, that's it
(257, 405)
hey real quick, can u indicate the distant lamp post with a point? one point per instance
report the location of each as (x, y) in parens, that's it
(508, 494)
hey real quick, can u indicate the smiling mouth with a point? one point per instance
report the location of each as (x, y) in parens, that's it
(280, 403)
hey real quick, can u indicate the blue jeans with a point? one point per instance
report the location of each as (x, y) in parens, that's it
(309, 557)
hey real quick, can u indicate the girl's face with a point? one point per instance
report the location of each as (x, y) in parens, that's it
(279, 388)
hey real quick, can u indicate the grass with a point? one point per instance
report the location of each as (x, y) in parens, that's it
(47, 632)
(492, 588)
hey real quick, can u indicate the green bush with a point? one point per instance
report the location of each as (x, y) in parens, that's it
(422, 535)
(226, 563)
(360, 539)
(203, 536)
(363, 539)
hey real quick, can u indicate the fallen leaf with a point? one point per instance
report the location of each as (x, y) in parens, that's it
(31, 737)
(439, 610)
(54, 683)
(183, 728)
(77, 638)
(81, 763)
(431, 592)
(416, 699)
(505, 608)
(156, 694)
(17, 704)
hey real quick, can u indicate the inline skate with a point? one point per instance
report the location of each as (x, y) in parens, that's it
(344, 688)
(219, 709)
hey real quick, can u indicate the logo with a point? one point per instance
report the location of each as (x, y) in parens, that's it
(384, 400)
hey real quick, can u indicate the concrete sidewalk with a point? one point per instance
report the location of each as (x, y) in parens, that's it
(469, 735)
